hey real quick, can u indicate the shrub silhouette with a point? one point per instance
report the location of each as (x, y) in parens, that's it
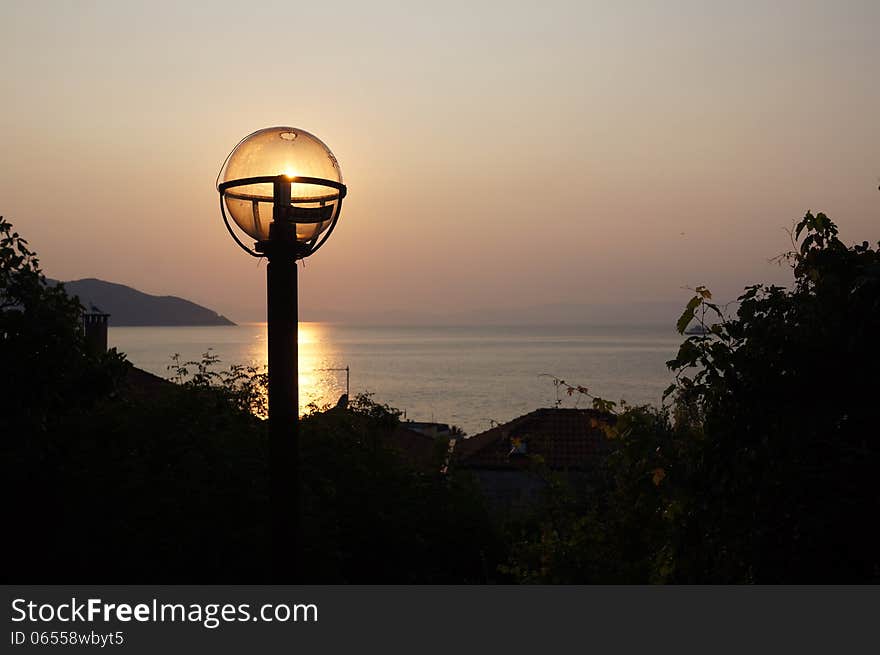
(764, 469)
(109, 482)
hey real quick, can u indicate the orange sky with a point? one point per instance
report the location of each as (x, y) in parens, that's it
(497, 154)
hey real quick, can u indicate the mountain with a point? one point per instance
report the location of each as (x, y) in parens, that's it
(128, 306)
(556, 314)
(631, 313)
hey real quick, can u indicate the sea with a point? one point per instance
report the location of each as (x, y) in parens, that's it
(469, 376)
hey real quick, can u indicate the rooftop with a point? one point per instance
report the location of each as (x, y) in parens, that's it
(566, 439)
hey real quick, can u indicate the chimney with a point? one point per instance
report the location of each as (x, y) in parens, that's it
(95, 329)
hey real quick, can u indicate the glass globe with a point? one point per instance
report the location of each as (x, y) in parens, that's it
(282, 151)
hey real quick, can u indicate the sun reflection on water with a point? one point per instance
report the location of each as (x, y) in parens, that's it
(316, 386)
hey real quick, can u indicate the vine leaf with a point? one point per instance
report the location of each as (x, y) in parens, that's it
(688, 314)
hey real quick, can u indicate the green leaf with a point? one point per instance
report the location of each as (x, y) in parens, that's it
(688, 315)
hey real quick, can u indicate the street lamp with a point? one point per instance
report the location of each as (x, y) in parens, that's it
(283, 188)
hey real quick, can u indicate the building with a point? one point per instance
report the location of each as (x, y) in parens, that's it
(419, 450)
(510, 460)
(433, 430)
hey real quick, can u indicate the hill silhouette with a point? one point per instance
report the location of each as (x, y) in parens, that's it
(130, 307)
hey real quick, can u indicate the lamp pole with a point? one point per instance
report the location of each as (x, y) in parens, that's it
(283, 332)
(255, 186)
(283, 416)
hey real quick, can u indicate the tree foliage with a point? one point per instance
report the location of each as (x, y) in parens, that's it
(764, 468)
(778, 470)
(243, 387)
(111, 478)
(47, 368)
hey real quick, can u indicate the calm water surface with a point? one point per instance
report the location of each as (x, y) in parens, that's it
(462, 375)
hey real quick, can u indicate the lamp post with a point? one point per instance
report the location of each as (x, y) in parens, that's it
(283, 188)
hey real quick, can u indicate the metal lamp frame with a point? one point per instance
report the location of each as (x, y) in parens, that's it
(285, 213)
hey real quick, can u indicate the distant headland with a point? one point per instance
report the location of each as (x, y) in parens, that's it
(130, 307)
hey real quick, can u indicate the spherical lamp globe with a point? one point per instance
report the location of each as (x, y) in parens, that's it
(249, 185)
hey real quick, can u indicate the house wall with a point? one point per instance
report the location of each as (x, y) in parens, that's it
(511, 490)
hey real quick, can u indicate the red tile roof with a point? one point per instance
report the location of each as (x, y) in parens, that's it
(565, 438)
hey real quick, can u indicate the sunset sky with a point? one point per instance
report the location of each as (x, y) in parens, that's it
(497, 154)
